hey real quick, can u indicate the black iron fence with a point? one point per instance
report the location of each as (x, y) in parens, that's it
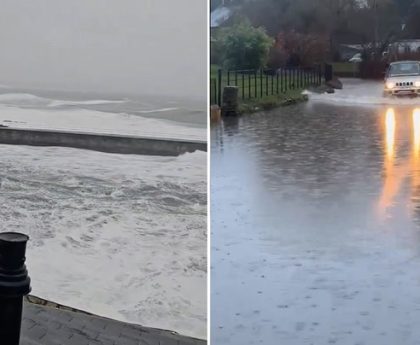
(254, 84)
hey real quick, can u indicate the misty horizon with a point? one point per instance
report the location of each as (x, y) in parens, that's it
(142, 48)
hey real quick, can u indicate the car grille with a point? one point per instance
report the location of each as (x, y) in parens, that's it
(408, 83)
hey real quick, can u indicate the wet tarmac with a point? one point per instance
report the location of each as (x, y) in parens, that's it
(316, 226)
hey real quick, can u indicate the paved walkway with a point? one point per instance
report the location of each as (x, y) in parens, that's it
(44, 325)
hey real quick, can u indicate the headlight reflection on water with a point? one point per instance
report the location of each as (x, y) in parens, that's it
(416, 132)
(390, 132)
(408, 166)
(390, 125)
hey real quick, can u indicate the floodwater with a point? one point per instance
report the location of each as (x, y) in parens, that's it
(316, 222)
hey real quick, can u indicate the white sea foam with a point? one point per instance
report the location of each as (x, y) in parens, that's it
(58, 103)
(86, 120)
(122, 236)
(21, 98)
(25, 99)
(161, 110)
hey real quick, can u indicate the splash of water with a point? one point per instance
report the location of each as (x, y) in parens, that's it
(361, 93)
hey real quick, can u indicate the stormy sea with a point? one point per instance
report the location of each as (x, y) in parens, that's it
(122, 236)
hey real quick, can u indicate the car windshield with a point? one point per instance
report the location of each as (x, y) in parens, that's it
(409, 68)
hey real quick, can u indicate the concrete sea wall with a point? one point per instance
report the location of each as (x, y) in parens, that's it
(100, 142)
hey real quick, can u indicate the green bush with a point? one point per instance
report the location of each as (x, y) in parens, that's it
(243, 46)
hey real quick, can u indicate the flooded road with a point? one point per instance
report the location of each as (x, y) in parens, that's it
(316, 225)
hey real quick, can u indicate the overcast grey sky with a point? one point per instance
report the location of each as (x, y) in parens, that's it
(140, 46)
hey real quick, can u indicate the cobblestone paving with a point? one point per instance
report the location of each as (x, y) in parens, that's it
(42, 325)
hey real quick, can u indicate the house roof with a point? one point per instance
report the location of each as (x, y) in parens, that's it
(353, 46)
(220, 15)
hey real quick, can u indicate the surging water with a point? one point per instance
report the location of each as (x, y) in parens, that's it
(361, 93)
(122, 236)
(115, 114)
(127, 233)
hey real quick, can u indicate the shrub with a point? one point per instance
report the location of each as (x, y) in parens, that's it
(244, 47)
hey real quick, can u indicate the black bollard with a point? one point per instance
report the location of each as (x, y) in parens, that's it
(230, 101)
(329, 73)
(14, 284)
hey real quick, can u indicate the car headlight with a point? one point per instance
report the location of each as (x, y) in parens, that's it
(417, 83)
(390, 85)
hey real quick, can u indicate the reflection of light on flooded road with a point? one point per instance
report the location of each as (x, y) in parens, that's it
(416, 133)
(415, 158)
(395, 174)
(390, 133)
(391, 181)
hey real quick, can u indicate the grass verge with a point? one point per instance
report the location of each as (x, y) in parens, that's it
(271, 102)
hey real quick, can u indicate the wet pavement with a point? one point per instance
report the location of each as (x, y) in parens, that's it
(316, 226)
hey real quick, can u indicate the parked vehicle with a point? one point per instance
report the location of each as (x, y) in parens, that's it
(356, 58)
(402, 79)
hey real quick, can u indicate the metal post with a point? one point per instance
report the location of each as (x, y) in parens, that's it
(243, 86)
(303, 77)
(272, 84)
(219, 87)
(249, 85)
(255, 84)
(291, 79)
(320, 74)
(282, 80)
(299, 77)
(215, 91)
(266, 83)
(14, 284)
